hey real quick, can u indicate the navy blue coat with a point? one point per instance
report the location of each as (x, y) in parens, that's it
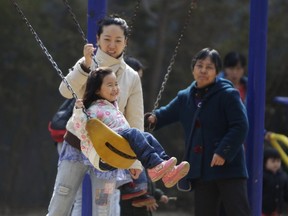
(218, 125)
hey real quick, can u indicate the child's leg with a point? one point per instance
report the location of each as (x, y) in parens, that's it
(155, 165)
(156, 145)
(145, 152)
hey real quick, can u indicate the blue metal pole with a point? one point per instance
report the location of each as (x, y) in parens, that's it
(96, 10)
(256, 101)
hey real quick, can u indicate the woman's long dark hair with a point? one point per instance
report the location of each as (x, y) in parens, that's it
(94, 82)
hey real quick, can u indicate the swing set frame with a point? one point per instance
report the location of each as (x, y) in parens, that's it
(256, 89)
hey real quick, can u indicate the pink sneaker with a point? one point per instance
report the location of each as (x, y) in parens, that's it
(177, 173)
(161, 169)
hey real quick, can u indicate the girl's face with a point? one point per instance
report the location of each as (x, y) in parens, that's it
(204, 72)
(112, 40)
(109, 89)
(273, 164)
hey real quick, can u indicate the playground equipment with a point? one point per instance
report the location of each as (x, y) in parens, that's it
(257, 64)
(280, 141)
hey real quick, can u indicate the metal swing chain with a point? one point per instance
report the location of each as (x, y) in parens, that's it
(133, 18)
(44, 49)
(69, 8)
(193, 5)
(80, 30)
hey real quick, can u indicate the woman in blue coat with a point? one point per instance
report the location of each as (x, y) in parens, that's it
(215, 124)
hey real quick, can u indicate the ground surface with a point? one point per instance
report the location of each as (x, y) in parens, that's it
(43, 212)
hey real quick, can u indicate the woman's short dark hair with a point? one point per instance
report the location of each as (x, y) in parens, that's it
(233, 58)
(113, 20)
(208, 52)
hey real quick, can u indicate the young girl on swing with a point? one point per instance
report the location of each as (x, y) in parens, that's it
(100, 98)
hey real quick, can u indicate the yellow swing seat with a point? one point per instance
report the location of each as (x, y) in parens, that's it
(112, 148)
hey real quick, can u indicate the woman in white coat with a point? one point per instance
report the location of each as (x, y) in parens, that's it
(111, 40)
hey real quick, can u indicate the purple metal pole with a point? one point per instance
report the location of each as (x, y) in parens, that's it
(256, 101)
(96, 10)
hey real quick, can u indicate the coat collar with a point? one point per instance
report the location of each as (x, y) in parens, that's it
(213, 88)
(117, 65)
(106, 102)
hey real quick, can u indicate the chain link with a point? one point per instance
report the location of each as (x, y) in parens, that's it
(193, 5)
(80, 30)
(44, 49)
(133, 18)
(136, 9)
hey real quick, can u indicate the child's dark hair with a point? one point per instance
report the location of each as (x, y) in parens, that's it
(233, 58)
(270, 153)
(208, 52)
(94, 82)
(113, 20)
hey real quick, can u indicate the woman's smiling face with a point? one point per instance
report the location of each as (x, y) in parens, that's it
(112, 40)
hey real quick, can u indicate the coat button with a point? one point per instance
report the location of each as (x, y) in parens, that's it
(197, 123)
(198, 149)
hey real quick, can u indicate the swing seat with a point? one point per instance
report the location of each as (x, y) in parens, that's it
(112, 148)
